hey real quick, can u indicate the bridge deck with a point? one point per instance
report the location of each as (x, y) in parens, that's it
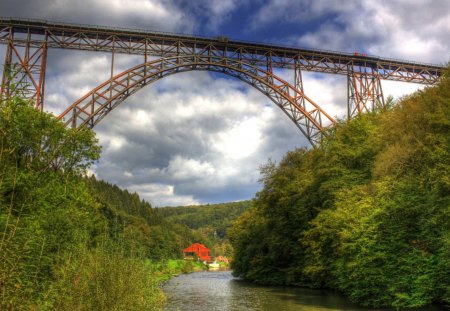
(130, 41)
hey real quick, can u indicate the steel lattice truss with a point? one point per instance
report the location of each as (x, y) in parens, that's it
(94, 106)
(28, 41)
(364, 92)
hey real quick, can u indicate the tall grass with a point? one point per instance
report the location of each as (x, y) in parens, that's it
(105, 279)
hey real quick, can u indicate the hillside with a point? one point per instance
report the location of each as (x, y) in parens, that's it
(216, 216)
(366, 213)
(158, 238)
(210, 221)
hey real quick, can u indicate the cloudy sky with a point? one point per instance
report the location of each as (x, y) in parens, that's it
(199, 137)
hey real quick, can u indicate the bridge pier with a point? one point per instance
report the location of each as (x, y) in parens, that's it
(364, 91)
(24, 68)
(298, 83)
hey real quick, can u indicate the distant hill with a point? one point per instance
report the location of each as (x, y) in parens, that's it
(134, 219)
(161, 233)
(214, 216)
(210, 222)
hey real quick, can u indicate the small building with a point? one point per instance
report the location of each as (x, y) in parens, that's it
(199, 250)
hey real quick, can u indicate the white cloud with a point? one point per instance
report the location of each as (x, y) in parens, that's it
(416, 31)
(219, 10)
(127, 174)
(413, 30)
(210, 14)
(127, 7)
(182, 169)
(399, 89)
(148, 14)
(115, 143)
(295, 11)
(241, 140)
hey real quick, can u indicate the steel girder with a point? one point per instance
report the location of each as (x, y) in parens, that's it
(95, 105)
(141, 42)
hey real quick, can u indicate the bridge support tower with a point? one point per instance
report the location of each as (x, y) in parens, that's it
(364, 91)
(24, 68)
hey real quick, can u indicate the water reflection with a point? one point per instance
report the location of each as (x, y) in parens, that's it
(211, 291)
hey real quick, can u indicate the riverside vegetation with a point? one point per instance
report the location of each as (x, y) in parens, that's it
(68, 242)
(366, 213)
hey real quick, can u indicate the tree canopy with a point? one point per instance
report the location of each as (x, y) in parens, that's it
(367, 212)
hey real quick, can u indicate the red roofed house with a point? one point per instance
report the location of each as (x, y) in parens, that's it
(200, 250)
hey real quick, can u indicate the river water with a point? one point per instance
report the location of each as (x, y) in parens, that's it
(220, 291)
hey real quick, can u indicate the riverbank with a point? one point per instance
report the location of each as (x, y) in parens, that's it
(165, 270)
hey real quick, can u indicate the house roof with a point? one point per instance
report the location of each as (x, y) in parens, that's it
(196, 247)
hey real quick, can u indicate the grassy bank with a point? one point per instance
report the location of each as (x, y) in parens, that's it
(108, 280)
(165, 270)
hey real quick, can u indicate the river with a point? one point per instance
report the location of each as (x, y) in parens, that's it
(220, 291)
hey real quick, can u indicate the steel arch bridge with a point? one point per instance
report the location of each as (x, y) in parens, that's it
(28, 41)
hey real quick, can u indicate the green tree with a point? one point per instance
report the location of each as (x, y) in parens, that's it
(367, 212)
(42, 202)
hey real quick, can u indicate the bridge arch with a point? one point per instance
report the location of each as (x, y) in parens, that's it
(95, 105)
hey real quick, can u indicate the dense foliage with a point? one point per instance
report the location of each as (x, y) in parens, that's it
(367, 212)
(210, 222)
(45, 211)
(68, 242)
(138, 224)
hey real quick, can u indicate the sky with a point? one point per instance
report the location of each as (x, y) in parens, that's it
(199, 137)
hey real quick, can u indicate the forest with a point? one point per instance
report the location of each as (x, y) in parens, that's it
(367, 212)
(211, 222)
